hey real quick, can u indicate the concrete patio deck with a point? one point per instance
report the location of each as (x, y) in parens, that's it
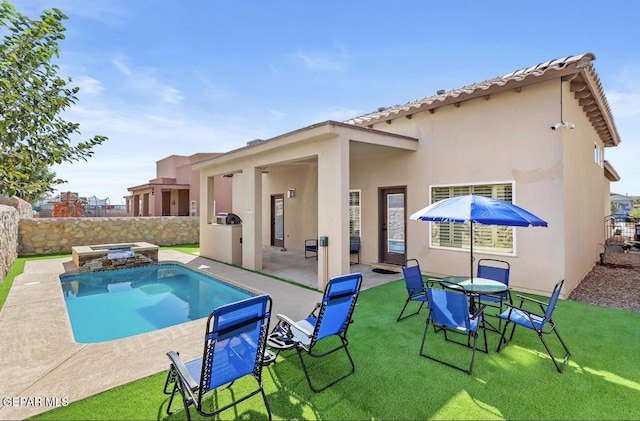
(44, 367)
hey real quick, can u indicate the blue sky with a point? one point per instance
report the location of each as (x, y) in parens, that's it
(178, 77)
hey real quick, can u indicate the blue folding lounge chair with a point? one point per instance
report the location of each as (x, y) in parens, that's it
(330, 318)
(416, 287)
(234, 347)
(540, 322)
(449, 313)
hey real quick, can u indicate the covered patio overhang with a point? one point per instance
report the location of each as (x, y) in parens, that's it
(329, 146)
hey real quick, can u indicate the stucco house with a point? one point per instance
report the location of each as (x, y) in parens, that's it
(535, 137)
(176, 189)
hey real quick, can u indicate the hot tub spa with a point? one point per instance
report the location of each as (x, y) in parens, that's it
(114, 256)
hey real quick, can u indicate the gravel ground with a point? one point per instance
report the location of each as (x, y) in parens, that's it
(615, 284)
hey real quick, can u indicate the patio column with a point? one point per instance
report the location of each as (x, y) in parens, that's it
(251, 218)
(333, 208)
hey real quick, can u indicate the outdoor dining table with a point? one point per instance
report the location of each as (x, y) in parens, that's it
(479, 286)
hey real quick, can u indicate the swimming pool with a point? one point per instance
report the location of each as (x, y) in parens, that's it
(115, 304)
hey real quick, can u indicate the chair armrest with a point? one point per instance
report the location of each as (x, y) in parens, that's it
(528, 312)
(413, 292)
(291, 323)
(524, 299)
(431, 281)
(478, 312)
(179, 366)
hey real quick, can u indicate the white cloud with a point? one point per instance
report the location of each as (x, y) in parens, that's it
(144, 82)
(121, 66)
(110, 12)
(88, 85)
(322, 61)
(169, 94)
(210, 91)
(277, 115)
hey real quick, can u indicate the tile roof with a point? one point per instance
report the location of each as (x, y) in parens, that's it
(578, 70)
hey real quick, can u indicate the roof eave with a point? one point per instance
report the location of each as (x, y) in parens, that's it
(610, 172)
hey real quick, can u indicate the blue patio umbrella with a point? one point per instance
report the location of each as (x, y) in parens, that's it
(479, 210)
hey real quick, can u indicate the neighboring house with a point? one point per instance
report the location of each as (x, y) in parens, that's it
(176, 189)
(625, 203)
(535, 137)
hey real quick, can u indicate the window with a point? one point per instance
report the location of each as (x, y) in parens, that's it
(598, 155)
(354, 213)
(491, 238)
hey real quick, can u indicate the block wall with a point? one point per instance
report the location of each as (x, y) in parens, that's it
(58, 235)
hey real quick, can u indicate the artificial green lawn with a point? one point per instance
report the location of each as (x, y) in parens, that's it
(601, 380)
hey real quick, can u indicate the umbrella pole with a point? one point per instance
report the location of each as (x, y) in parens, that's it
(471, 250)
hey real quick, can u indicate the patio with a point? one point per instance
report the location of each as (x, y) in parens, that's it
(293, 266)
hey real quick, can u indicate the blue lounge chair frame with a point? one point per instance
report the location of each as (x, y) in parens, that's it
(354, 248)
(234, 347)
(330, 318)
(415, 284)
(539, 321)
(449, 313)
(311, 248)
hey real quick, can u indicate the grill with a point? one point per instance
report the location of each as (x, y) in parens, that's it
(228, 219)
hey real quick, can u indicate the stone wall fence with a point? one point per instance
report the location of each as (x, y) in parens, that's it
(8, 239)
(12, 209)
(58, 235)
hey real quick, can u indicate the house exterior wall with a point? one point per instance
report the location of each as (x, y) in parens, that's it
(504, 137)
(170, 167)
(585, 193)
(369, 173)
(323, 146)
(174, 189)
(301, 211)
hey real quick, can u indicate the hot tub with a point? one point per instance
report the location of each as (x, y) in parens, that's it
(114, 256)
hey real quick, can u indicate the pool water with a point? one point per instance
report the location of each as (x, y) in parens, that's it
(119, 303)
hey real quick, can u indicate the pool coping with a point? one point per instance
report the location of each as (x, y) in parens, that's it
(44, 367)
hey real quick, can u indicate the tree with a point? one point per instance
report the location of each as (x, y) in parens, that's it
(615, 208)
(33, 136)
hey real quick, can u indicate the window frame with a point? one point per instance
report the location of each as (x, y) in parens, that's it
(495, 230)
(358, 219)
(598, 154)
